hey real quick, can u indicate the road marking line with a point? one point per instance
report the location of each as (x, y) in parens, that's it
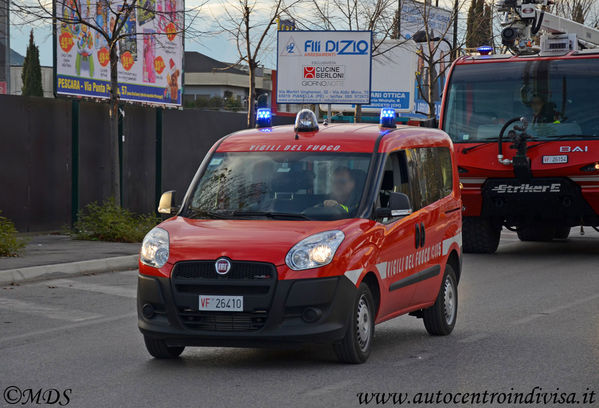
(556, 309)
(93, 287)
(51, 312)
(40, 334)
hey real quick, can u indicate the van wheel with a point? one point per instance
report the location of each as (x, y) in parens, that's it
(480, 235)
(562, 232)
(159, 349)
(536, 232)
(356, 345)
(439, 319)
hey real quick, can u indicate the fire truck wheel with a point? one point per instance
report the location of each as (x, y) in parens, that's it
(537, 232)
(357, 343)
(480, 235)
(562, 232)
(439, 319)
(159, 349)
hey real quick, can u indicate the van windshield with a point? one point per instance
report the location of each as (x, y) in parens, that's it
(280, 185)
(558, 97)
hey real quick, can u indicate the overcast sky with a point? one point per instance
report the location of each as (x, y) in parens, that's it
(217, 46)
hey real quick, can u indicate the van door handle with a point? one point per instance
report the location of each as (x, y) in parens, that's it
(422, 235)
(417, 236)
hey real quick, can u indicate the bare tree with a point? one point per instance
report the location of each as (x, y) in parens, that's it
(433, 58)
(378, 16)
(580, 11)
(249, 24)
(113, 32)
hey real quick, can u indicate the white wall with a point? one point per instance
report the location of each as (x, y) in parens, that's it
(16, 83)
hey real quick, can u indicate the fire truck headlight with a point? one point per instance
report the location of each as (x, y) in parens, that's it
(155, 248)
(315, 251)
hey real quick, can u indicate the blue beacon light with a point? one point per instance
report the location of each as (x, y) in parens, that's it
(263, 118)
(388, 118)
(485, 49)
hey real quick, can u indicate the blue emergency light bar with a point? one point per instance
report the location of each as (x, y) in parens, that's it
(485, 49)
(263, 118)
(388, 118)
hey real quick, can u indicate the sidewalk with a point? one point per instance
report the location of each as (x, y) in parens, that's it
(49, 256)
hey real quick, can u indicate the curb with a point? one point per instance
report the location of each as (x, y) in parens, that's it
(43, 272)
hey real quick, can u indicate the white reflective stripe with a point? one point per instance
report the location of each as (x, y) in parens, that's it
(382, 268)
(593, 186)
(472, 180)
(585, 178)
(353, 275)
(449, 241)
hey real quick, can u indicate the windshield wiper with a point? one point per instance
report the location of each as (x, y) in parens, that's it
(269, 214)
(486, 142)
(207, 214)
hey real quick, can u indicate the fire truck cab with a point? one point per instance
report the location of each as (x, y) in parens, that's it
(526, 131)
(306, 233)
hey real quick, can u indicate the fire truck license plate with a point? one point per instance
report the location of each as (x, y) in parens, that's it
(555, 159)
(214, 303)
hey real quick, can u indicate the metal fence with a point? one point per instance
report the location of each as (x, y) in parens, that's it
(42, 138)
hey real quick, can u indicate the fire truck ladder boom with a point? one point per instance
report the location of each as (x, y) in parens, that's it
(554, 24)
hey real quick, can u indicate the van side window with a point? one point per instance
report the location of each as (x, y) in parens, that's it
(395, 177)
(430, 174)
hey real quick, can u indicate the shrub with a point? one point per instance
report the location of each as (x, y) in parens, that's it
(10, 244)
(109, 222)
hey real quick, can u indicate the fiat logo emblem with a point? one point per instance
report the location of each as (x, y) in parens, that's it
(223, 266)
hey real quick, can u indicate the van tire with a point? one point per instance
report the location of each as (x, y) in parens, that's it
(438, 320)
(351, 348)
(159, 349)
(480, 235)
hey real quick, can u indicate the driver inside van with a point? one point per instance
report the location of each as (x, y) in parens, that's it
(343, 190)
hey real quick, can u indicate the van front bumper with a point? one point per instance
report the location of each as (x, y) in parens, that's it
(276, 312)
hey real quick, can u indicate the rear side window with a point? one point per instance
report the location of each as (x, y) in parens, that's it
(430, 175)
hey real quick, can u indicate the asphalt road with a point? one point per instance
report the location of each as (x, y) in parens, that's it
(528, 317)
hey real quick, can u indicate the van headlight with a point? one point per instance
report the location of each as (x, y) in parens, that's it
(314, 251)
(154, 248)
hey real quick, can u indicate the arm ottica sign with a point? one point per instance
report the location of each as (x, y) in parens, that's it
(324, 67)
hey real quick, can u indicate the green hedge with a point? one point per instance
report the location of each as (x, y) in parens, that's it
(10, 244)
(108, 222)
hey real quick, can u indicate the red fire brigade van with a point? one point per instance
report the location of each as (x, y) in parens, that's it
(306, 233)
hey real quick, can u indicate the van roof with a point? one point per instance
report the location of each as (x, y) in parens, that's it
(339, 138)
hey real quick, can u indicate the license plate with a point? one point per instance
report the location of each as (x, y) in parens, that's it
(555, 159)
(215, 303)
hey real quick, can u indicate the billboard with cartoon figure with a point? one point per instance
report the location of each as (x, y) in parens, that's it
(150, 50)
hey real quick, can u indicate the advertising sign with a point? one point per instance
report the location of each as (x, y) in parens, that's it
(150, 52)
(324, 67)
(439, 19)
(392, 77)
(392, 84)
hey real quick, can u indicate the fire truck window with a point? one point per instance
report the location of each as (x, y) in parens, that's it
(558, 97)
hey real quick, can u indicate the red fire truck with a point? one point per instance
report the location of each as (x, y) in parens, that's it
(526, 130)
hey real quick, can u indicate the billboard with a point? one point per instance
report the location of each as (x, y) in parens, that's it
(324, 67)
(392, 84)
(150, 52)
(439, 19)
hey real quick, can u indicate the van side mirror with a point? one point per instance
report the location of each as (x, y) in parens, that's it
(167, 203)
(399, 206)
